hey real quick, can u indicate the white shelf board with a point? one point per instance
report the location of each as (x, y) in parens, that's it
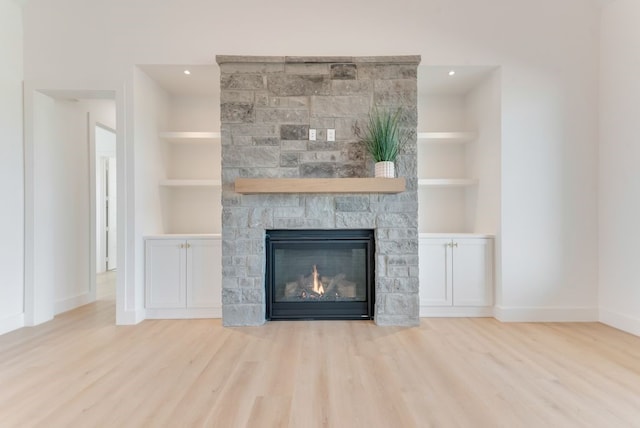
(454, 235)
(447, 182)
(190, 183)
(447, 137)
(185, 236)
(189, 137)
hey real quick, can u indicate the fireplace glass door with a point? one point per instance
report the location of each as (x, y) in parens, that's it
(319, 274)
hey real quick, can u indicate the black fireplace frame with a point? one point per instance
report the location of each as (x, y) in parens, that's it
(330, 310)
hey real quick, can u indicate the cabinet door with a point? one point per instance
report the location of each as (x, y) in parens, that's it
(472, 272)
(435, 273)
(165, 262)
(204, 273)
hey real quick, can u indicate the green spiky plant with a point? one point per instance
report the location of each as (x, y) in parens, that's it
(383, 137)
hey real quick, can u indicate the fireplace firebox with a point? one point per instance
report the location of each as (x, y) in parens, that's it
(320, 274)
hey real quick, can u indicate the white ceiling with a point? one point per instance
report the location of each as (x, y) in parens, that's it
(75, 95)
(205, 79)
(436, 80)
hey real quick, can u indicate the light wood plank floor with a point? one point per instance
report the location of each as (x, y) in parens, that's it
(81, 370)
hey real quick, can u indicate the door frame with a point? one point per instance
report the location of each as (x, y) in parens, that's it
(39, 298)
(98, 167)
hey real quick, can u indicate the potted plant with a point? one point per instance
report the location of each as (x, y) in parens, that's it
(383, 138)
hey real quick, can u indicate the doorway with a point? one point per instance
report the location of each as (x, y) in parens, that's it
(106, 211)
(60, 198)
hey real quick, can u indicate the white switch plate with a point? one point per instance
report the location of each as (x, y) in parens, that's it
(331, 135)
(312, 135)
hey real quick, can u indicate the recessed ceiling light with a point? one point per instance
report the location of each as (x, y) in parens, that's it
(187, 72)
(452, 72)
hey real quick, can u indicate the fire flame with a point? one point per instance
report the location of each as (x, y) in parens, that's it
(317, 285)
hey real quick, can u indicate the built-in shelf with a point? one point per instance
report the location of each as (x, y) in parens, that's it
(190, 183)
(319, 185)
(189, 137)
(447, 137)
(447, 182)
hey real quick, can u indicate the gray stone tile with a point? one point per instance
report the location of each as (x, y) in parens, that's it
(255, 130)
(298, 85)
(243, 315)
(356, 203)
(317, 59)
(351, 87)
(242, 81)
(307, 68)
(235, 112)
(223, 60)
(282, 115)
(318, 170)
(289, 159)
(294, 132)
(252, 157)
(237, 96)
(340, 106)
(293, 145)
(343, 72)
(265, 141)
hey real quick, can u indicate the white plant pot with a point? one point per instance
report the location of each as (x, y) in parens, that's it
(385, 169)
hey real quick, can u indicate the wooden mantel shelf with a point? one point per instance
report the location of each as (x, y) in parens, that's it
(319, 185)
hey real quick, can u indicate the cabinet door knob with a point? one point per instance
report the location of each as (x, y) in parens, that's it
(454, 244)
(181, 245)
(188, 245)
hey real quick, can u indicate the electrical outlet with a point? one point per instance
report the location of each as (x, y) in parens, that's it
(331, 135)
(312, 135)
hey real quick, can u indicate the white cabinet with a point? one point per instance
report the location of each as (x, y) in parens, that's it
(456, 276)
(204, 273)
(183, 277)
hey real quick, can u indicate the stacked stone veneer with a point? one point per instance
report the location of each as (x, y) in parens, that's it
(268, 105)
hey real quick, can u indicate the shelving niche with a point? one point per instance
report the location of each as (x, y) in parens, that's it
(458, 190)
(191, 189)
(182, 157)
(177, 193)
(459, 157)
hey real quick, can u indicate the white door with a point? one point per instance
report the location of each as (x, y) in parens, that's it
(105, 190)
(204, 273)
(111, 225)
(435, 272)
(472, 272)
(165, 276)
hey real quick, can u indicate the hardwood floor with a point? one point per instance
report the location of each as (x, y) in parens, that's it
(81, 370)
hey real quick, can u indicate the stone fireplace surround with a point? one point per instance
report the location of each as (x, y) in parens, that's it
(268, 105)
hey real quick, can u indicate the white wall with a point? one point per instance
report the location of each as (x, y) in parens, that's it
(483, 155)
(11, 171)
(619, 158)
(149, 118)
(548, 58)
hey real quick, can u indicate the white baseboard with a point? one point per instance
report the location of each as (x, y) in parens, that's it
(620, 321)
(71, 303)
(453, 312)
(130, 317)
(190, 313)
(11, 323)
(542, 314)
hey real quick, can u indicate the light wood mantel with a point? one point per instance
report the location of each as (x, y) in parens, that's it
(319, 185)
